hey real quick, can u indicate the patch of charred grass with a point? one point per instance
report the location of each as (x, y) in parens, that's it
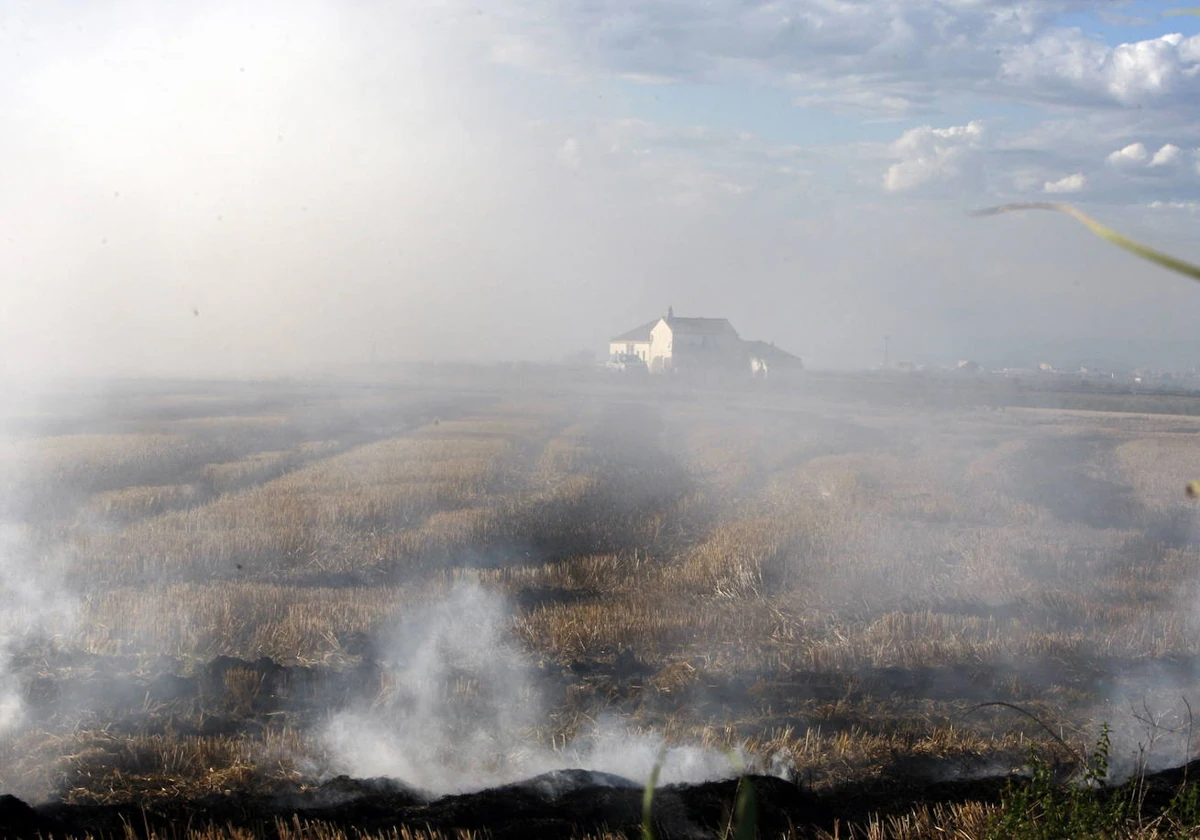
(824, 757)
(129, 503)
(341, 514)
(108, 764)
(481, 491)
(101, 769)
(198, 622)
(297, 829)
(962, 821)
(53, 476)
(259, 467)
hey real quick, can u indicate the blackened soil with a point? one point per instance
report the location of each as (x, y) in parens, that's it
(556, 804)
(561, 803)
(108, 688)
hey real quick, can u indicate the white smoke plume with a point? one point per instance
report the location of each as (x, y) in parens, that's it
(32, 601)
(456, 701)
(460, 708)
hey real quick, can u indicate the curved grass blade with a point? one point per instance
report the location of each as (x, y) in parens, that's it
(745, 811)
(744, 825)
(1104, 232)
(648, 795)
(1181, 12)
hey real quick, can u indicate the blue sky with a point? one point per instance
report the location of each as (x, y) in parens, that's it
(1119, 22)
(772, 113)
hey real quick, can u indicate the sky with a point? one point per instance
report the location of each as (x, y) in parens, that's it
(293, 188)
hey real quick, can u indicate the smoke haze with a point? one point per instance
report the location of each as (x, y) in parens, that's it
(302, 187)
(314, 187)
(462, 704)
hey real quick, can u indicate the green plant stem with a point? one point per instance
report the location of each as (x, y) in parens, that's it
(1104, 232)
(648, 795)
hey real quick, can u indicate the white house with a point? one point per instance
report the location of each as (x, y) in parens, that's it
(636, 342)
(689, 345)
(693, 344)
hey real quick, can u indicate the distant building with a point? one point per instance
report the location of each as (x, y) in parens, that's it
(636, 342)
(700, 345)
(693, 344)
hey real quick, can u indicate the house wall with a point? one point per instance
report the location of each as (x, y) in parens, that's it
(661, 347)
(669, 348)
(699, 353)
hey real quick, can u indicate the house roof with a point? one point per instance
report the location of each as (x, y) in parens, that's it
(641, 333)
(701, 326)
(768, 352)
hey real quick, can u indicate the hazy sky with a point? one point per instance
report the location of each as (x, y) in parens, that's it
(520, 179)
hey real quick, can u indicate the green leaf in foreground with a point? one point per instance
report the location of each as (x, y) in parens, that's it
(745, 812)
(745, 808)
(648, 795)
(1104, 232)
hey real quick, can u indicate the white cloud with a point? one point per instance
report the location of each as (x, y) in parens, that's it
(1137, 156)
(1134, 153)
(1100, 144)
(1066, 65)
(889, 56)
(937, 156)
(1168, 154)
(843, 97)
(1069, 184)
(1187, 206)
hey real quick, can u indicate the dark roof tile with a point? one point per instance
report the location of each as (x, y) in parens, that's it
(641, 333)
(701, 326)
(768, 352)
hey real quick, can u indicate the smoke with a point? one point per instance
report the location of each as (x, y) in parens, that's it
(1151, 712)
(460, 710)
(32, 603)
(455, 699)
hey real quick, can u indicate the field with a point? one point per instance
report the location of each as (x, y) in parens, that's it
(216, 589)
